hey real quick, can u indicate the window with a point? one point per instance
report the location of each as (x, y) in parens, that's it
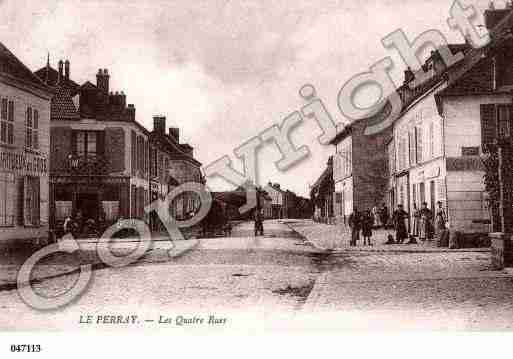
(7, 122)
(411, 145)
(32, 128)
(431, 140)
(418, 143)
(31, 195)
(7, 191)
(86, 143)
(503, 116)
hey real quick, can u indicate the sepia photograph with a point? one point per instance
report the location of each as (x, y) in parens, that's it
(222, 166)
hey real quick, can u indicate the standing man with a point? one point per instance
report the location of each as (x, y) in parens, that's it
(355, 224)
(384, 215)
(259, 227)
(399, 218)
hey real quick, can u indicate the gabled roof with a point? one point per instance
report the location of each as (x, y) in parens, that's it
(88, 85)
(11, 66)
(50, 76)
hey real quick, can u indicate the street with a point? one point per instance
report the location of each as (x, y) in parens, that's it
(280, 281)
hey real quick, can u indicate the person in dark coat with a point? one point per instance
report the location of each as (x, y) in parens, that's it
(355, 225)
(384, 215)
(367, 224)
(259, 223)
(399, 218)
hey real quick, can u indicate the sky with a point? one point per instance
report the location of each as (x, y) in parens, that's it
(223, 71)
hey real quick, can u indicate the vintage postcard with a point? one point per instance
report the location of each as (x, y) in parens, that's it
(237, 166)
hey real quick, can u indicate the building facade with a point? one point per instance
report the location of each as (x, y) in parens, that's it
(172, 164)
(438, 139)
(321, 195)
(24, 151)
(360, 171)
(277, 197)
(99, 157)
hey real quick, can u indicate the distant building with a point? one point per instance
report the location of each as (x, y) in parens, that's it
(321, 194)
(277, 197)
(24, 151)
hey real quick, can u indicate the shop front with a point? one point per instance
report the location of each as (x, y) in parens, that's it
(23, 195)
(103, 199)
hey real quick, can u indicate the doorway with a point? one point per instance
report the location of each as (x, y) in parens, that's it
(87, 203)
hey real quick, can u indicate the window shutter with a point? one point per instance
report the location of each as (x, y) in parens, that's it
(488, 124)
(74, 142)
(100, 143)
(411, 144)
(20, 217)
(418, 139)
(133, 147)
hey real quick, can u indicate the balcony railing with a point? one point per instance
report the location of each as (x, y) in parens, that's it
(88, 165)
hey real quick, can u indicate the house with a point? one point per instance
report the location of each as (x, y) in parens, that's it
(172, 164)
(278, 199)
(24, 151)
(445, 123)
(321, 194)
(99, 156)
(359, 167)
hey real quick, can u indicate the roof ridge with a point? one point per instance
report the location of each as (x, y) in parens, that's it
(30, 75)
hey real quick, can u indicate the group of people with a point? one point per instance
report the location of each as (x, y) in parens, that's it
(424, 224)
(77, 225)
(361, 221)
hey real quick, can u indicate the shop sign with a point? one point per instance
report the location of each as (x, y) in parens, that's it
(23, 162)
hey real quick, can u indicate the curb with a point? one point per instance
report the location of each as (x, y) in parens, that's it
(306, 240)
(94, 266)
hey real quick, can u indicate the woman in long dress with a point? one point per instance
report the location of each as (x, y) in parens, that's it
(441, 218)
(416, 221)
(425, 222)
(376, 217)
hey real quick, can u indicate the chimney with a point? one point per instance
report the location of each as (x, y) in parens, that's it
(131, 112)
(493, 16)
(159, 124)
(408, 75)
(66, 69)
(123, 100)
(102, 80)
(61, 75)
(175, 133)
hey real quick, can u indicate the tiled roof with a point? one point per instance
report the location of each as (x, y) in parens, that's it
(62, 106)
(11, 65)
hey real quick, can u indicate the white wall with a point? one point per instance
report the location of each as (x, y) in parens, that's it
(22, 99)
(463, 121)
